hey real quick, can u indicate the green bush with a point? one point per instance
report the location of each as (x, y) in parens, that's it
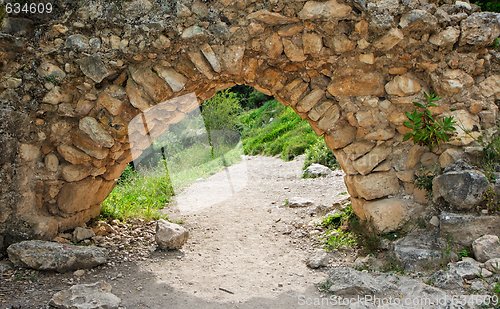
(320, 153)
(489, 5)
(427, 130)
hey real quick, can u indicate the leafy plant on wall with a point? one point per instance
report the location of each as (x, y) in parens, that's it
(427, 130)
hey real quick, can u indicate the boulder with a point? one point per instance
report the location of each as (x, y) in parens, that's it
(463, 189)
(448, 280)
(493, 265)
(418, 250)
(467, 268)
(86, 296)
(486, 247)
(46, 255)
(463, 229)
(356, 285)
(94, 68)
(316, 170)
(169, 235)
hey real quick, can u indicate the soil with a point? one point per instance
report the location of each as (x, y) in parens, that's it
(246, 248)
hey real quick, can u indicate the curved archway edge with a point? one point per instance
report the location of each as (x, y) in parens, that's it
(351, 69)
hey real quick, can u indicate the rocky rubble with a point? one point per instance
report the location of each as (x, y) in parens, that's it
(86, 296)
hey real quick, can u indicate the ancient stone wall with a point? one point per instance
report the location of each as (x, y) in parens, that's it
(70, 85)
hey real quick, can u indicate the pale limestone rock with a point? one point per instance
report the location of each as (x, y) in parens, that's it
(45, 255)
(86, 296)
(389, 40)
(367, 58)
(51, 162)
(193, 32)
(319, 110)
(377, 214)
(330, 118)
(369, 161)
(271, 18)
(374, 185)
(75, 196)
(170, 235)
(491, 86)
(29, 152)
(175, 80)
(111, 104)
(328, 10)
(310, 100)
(153, 85)
(358, 84)
(313, 43)
(50, 71)
(292, 51)
(72, 173)
(96, 132)
(273, 46)
(73, 155)
(343, 135)
(201, 64)
(403, 86)
(211, 57)
(447, 37)
(358, 149)
(486, 247)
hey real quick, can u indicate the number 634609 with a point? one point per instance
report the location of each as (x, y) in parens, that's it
(28, 8)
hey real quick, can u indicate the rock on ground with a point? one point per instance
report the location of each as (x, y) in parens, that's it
(316, 170)
(465, 228)
(86, 296)
(349, 283)
(418, 250)
(46, 255)
(318, 259)
(296, 202)
(170, 235)
(81, 233)
(486, 247)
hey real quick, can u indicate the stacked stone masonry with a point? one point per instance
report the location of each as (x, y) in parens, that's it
(71, 85)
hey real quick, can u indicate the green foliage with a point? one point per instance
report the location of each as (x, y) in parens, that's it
(220, 114)
(426, 130)
(424, 178)
(274, 129)
(337, 234)
(496, 289)
(320, 153)
(138, 196)
(465, 252)
(496, 44)
(489, 5)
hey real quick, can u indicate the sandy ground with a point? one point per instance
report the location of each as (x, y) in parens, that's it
(246, 250)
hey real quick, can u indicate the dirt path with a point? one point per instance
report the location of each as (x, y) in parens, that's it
(245, 250)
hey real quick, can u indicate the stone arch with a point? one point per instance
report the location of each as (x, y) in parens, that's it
(350, 68)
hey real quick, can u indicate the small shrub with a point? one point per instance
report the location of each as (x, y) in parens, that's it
(427, 130)
(465, 252)
(337, 234)
(321, 154)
